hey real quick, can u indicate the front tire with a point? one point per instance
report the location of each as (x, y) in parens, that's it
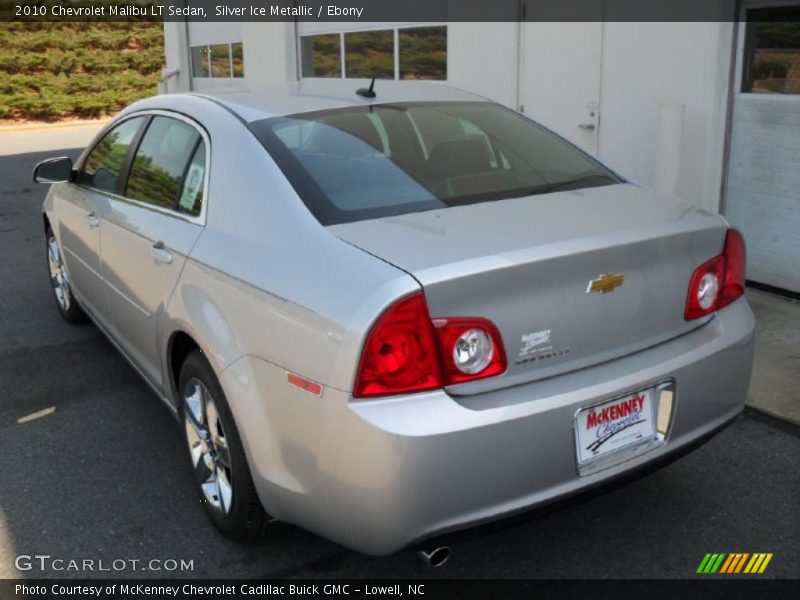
(59, 280)
(220, 468)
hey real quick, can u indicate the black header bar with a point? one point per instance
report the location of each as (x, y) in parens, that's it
(367, 11)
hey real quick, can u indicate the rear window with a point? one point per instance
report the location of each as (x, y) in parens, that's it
(374, 161)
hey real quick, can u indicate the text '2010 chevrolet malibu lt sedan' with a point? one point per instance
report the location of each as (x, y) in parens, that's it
(383, 319)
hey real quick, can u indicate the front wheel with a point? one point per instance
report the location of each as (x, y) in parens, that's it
(218, 461)
(59, 280)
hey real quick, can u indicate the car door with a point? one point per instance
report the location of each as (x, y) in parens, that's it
(79, 213)
(149, 232)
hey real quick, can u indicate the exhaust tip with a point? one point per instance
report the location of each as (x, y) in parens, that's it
(435, 557)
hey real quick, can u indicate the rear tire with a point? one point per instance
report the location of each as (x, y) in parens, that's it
(59, 280)
(218, 462)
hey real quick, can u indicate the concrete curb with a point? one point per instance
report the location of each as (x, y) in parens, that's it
(47, 126)
(774, 414)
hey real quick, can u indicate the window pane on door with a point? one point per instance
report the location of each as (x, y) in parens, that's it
(369, 54)
(237, 59)
(772, 51)
(160, 162)
(220, 60)
(321, 55)
(423, 53)
(200, 61)
(104, 163)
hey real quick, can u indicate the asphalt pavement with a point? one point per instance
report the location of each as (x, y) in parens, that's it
(93, 466)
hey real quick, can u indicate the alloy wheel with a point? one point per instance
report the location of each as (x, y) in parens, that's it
(208, 446)
(58, 274)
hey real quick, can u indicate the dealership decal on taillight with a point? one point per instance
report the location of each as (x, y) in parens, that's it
(719, 281)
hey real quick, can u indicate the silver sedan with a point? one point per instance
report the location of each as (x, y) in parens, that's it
(387, 318)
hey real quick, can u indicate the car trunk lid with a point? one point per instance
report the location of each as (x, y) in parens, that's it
(528, 264)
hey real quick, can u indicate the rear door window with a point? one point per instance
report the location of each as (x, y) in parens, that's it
(161, 162)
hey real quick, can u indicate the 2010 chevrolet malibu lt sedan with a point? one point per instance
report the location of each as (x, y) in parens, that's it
(386, 318)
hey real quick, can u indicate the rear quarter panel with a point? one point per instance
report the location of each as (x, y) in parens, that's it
(266, 291)
(265, 279)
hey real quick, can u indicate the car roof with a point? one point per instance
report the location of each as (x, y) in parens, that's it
(313, 95)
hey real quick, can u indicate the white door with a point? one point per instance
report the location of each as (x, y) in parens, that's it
(762, 195)
(560, 78)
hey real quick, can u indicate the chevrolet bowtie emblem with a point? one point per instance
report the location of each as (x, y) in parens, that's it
(607, 282)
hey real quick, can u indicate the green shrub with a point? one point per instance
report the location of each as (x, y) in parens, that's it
(56, 70)
(770, 68)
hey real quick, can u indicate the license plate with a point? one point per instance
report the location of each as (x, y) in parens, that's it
(615, 426)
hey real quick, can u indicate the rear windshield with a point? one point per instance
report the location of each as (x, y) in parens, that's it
(374, 161)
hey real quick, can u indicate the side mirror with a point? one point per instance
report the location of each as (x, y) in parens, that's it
(54, 170)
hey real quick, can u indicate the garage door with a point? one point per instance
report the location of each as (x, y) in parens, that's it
(763, 180)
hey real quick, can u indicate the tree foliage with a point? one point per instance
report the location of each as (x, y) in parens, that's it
(50, 71)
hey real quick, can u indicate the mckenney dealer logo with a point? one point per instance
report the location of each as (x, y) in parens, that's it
(628, 408)
(611, 420)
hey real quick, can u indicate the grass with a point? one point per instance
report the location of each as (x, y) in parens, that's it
(52, 71)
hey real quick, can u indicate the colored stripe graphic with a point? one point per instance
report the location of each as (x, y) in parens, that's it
(752, 562)
(703, 563)
(764, 564)
(711, 563)
(734, 562)
(758, 563)
(732, 559)
(741, 562)
(717, 564)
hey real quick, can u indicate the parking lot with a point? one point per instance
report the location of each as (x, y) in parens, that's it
(93, 465)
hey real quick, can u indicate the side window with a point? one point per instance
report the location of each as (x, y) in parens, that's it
(191, 200)
(160, 161)
(772, 51)
(104, 163)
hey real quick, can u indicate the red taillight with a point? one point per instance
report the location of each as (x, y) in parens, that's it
(719, 281)
(735, 258)
(400, 355)
(405, 354)
(471, 349)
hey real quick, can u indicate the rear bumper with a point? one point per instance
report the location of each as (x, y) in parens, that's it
(379, 475)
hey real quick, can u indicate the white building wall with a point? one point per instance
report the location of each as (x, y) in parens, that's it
(643, 66)
(214, 33)
(482, 58)
(177, 70)
(269, 53)
(647, 64)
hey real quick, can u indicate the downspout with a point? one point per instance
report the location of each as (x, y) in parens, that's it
(726, 149)
(521, 56)
(298, 59)
(187, 49)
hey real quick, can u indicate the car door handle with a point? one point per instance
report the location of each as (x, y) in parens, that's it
(160, 254)
(587, 126)
(92, 220)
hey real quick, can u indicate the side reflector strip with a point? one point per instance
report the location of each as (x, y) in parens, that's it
(304, 384)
